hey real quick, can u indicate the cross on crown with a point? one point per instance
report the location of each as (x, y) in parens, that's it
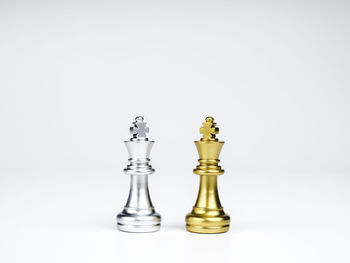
(209, 130)
(139, 128)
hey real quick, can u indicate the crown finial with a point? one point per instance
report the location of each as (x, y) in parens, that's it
(139, 128)
(209, 130)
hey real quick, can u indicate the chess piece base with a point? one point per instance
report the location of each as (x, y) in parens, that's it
(207, 221)
(137, 223)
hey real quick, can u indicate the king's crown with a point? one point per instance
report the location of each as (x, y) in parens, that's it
(209, 130)
(139, 128)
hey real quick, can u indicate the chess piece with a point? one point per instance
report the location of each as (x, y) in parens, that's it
(139, 214)
(208, 215)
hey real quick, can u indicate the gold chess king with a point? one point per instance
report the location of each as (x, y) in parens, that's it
(208, 215)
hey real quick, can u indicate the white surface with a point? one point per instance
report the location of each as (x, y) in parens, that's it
(289, 218)
(275, 75)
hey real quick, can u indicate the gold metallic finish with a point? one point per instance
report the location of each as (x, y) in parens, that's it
(208, 215)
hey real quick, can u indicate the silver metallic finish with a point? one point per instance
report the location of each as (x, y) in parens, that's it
(139, 214)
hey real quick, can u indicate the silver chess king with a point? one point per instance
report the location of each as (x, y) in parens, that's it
(139, 214)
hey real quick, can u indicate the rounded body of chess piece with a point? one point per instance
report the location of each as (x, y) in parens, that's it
(139, 214)
(208, 215)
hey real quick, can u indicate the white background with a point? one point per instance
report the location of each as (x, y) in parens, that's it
(274, 74)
